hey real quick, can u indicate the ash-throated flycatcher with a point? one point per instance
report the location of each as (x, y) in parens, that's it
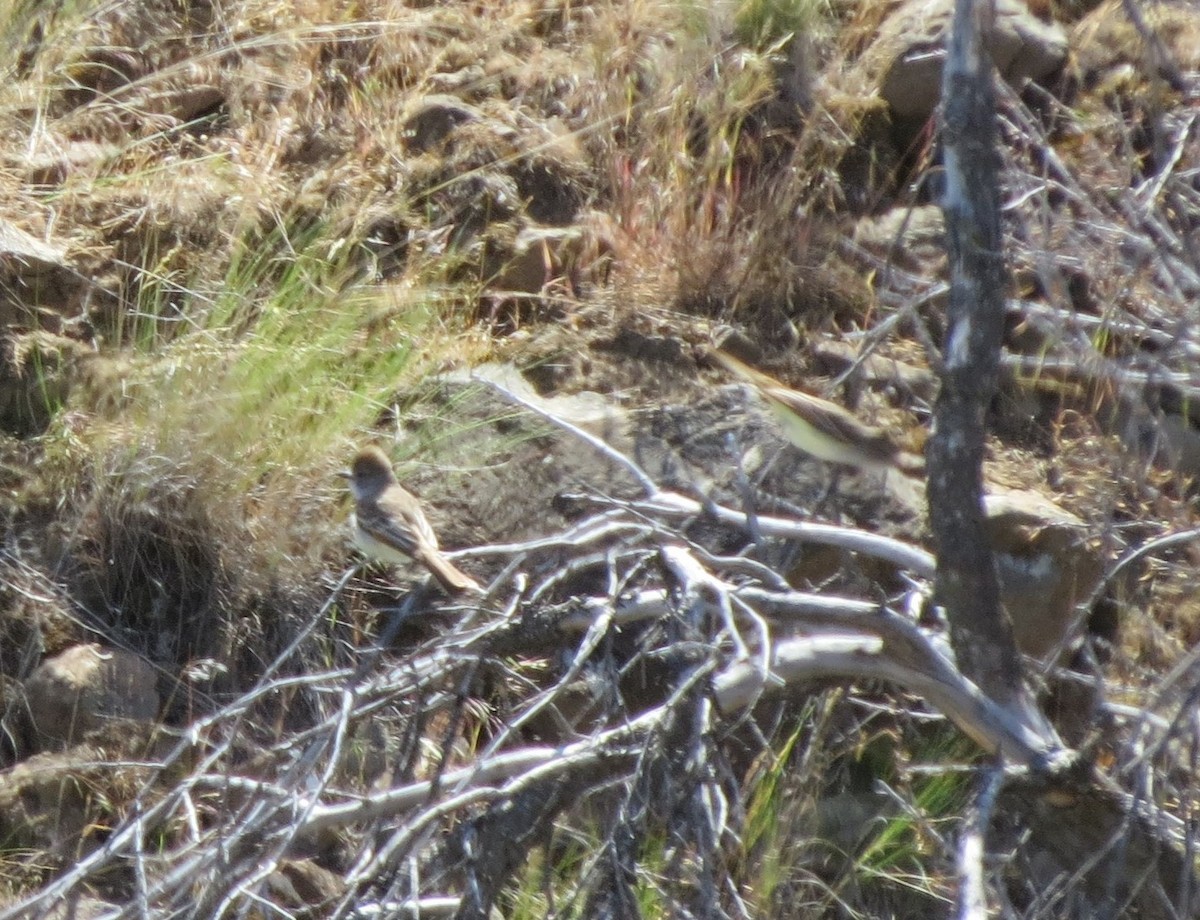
(389, 525)
(824, 429)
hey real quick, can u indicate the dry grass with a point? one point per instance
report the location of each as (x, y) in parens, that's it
(277, 253)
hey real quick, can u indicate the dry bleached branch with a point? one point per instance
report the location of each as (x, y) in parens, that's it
(854, 640)
(849, 639)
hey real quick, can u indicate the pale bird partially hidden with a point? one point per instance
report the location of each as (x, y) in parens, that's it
(823, 429)
(388, 523)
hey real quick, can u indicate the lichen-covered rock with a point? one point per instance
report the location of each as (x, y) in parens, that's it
(84, 688)
(905, 61)
(1047, 565)
(38, 285)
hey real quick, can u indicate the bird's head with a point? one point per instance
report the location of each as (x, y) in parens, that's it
(370, 473)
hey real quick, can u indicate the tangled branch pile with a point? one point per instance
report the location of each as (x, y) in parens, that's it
(557, 750)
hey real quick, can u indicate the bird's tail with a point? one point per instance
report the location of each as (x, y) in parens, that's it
(452, 579)
(743, 370)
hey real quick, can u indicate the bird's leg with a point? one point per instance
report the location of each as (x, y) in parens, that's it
(831, 484)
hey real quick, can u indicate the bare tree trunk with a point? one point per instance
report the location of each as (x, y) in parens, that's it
(966, 574)
(1124, 853)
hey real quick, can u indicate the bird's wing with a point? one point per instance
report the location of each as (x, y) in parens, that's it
(401, 524)
(850, 437)
(834, 421)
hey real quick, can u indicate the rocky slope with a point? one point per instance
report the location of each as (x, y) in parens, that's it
(241, 238)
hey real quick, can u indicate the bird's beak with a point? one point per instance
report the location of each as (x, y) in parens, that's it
(345, 474)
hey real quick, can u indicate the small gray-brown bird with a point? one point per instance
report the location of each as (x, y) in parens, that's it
(389, 525)
(824, 429)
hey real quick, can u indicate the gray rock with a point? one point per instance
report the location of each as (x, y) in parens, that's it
(85, 687)
(433, 118)
(906, 58)
(38, 286)
(1047, 565)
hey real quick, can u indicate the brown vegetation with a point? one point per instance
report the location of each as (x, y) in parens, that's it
(241, 239)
